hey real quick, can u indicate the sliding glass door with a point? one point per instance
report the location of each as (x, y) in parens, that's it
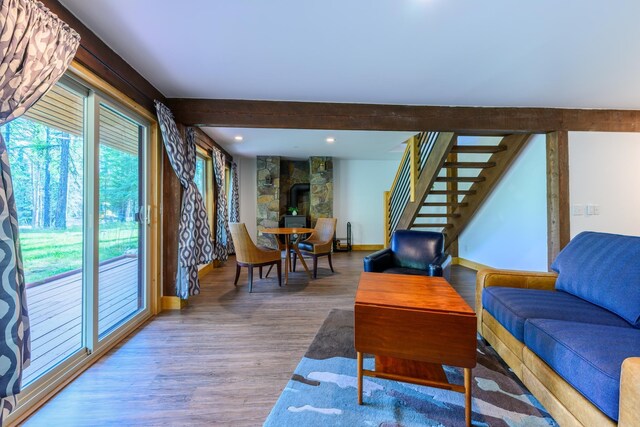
(79, 168)
(46, 148)
(121, 216)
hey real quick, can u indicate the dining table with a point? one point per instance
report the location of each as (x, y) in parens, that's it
(288, 232)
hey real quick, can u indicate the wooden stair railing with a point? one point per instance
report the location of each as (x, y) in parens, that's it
(433, 158)
(405, 189)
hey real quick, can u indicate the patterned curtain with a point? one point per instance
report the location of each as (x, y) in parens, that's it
(222, 223)
(36, 48)
(234, 202)
(194, 234)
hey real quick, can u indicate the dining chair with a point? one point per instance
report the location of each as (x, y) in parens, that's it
(249, 255)
(319, 243)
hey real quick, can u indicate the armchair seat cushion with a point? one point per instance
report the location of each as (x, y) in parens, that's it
(404, 270)
(511, 307)
(587, 356)
(306, 246)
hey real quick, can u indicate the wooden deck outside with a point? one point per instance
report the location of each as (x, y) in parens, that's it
(55, 312)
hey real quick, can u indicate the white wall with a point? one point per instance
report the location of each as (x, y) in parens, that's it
(604, 170)
(358, 197)
(510, 229)
(248, 189)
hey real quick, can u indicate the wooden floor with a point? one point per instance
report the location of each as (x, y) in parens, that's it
(55, 311)
(222, 361)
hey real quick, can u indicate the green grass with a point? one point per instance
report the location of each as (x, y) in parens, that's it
(49, 252)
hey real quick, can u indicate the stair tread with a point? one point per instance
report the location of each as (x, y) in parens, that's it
(438, 215)
(430, 225)
(469, 165)
(478, 148)
(445, 204)
(460, 179)
(452, 192)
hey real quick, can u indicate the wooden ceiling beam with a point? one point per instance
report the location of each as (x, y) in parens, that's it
(336, 116)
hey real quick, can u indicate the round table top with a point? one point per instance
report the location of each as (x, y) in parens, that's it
(288, 230)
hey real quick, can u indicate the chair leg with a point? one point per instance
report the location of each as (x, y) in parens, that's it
(235, 283)
(268, 271)
(279, 268)
(315, 266)
(250, 279)
(295, 258)
(291, 254)
(260, 271)
(330, 264)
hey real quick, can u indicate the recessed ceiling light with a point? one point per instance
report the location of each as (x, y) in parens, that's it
(238, 138)
(331, 140)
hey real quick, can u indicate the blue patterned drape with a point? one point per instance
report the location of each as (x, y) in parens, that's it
(222, 222)
(36, 48)
(234, 202)
(194, 234)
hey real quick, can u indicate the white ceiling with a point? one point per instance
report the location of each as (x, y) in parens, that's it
(547, 53)
(302, 144)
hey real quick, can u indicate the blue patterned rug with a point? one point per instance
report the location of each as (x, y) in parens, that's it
(322, 391)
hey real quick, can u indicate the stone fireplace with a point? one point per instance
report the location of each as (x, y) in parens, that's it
(283, 183)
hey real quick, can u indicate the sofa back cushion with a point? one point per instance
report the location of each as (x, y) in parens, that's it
(416, 249)
(603, 269)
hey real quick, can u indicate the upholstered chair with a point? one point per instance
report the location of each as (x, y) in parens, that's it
(412, 252)
(249, 255)
(319, 243)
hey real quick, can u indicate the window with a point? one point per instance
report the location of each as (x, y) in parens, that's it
(201, 175)
(79, 165)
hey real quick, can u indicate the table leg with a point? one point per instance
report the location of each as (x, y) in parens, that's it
(286, 259)
(359, 355)
(467, 396)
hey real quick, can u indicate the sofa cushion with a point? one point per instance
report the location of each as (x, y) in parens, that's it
(587, 356)
(513, 306)
(603, 269)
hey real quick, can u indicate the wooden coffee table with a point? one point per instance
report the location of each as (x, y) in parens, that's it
(413, 325)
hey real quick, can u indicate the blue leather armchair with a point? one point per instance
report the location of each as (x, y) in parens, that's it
(412, 252)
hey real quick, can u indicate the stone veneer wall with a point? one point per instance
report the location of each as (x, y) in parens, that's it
(268, 204)
(293, 172)
(321, 188)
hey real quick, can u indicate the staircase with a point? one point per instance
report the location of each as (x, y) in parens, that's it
(444, 178)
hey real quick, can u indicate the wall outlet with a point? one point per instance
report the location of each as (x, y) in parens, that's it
(577, 210)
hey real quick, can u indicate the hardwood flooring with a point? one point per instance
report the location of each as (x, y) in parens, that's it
(223, 360)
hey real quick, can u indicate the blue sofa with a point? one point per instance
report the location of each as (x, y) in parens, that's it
(572, 335)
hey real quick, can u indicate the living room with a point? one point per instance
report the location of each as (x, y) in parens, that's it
(352, 84)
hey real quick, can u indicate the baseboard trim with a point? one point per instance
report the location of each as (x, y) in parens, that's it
(173, 303)
(206, 269)
(366, 247)
(468, 263)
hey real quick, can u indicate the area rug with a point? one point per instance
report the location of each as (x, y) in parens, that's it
(322, 391)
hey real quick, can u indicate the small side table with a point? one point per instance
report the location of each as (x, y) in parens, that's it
(414, 325)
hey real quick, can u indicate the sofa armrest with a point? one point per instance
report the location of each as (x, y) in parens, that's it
(378, 261)
(630, 393)
(441, 266)
(510, 279)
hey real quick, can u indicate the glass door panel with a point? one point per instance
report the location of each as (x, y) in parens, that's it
(46, 153)
(120, 230)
